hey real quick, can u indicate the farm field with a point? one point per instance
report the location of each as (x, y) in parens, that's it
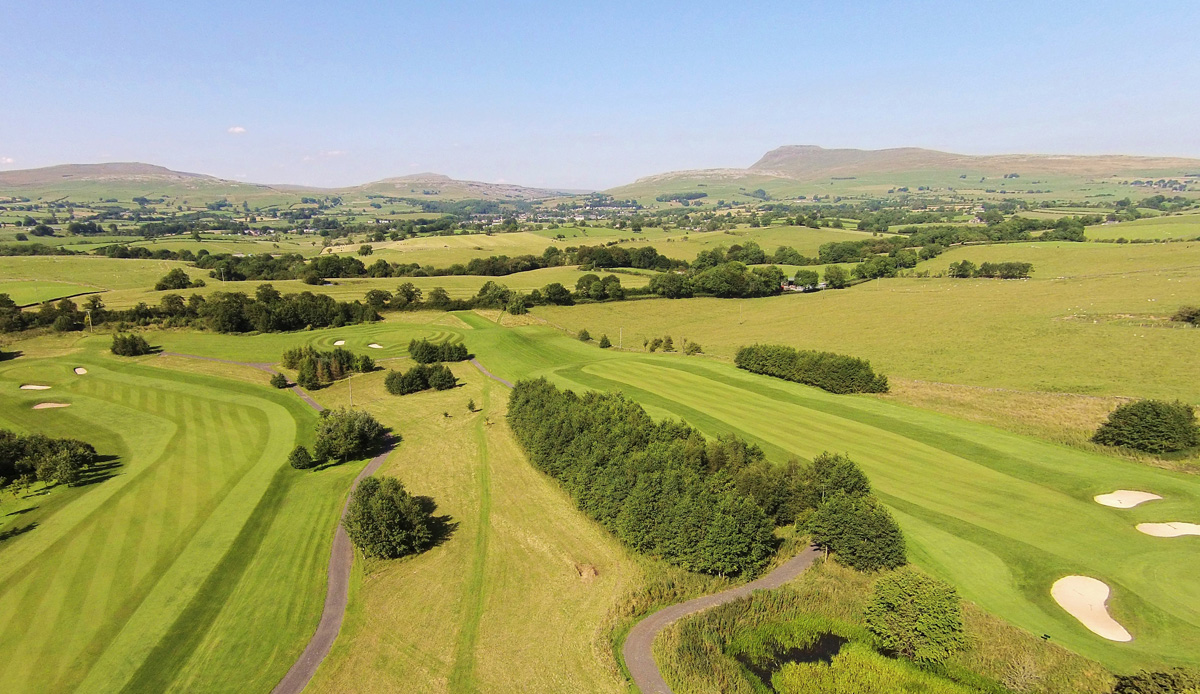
(25, 292)
(1070, 329)
(999, 515)
(196, 565)
(1173, 227)
(95, 271)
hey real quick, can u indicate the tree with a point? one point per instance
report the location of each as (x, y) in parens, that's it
(963, 269)
(1153, 426)
(556, 294)
(668, 344)
(441, 378)
(916, 616)
(386, 522)
(584, 335)
(347, 435)
(836, 277)
(859, 531)
(604, 342)
(834, 473)
(279, 381)
(1188, 314)
(175, 279)
(129, 345)
(365, 250)
(471, 405)
(300, 458)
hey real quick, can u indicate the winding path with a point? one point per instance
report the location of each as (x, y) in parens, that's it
(638, 652)
(491, 375)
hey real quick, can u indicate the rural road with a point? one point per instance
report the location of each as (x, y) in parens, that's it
(637, 651)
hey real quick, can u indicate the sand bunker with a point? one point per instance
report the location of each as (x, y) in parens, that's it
(50, 405)
(375, 346)
(30, 386)
(1169, 529)
(1084, 599)
(1123, 498)
(339, 343)
(80, 370)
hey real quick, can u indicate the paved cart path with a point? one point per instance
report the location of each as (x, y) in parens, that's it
(639, 657)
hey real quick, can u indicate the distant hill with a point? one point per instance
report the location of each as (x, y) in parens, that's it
(116, 171)
(438, 185)
(809, 162)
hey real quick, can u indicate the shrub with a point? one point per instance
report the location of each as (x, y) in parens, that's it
(859, 531)
(426, 352)
(1153, 426)
(129, 345)
(1187, 314)
(1174, 681)
(836, 373)
(836, 277)
(692, 348)
(584, 335)
(347, 435)
(916, 616)
(604, 342)
(385, 521)
(175, 279)
(668, 344)
(300, 458)
(279, 381)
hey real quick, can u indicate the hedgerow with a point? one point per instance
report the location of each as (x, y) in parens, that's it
(836, 373)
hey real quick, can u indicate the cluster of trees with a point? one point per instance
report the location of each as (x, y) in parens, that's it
(225, 312)
(1185, 314)
(836, 373)
(426, 352)
(916, 616)
(661, 488)
(420, 377)
(177, 279)
(14, 249)
(25, 459)
(385, 521)
(316, 368)
(727, 280)
(684, 198)
(593, 287)
(849, 521)
(129, 345)
(1010, 270)
(1153, 426)
(341, 435)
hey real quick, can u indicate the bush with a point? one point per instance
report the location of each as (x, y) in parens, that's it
(420, 377)
(1187, 314)
(859, 531)
(129, 345)
(1153, 426)
(584, 335)
(836, 373)
(604, 342)
(175, 279)
(300, 458)
(347, 435)
(385, 521)
(692, 348)
(426, 352)
(916, 616)
(1174, 681)
(279, 381)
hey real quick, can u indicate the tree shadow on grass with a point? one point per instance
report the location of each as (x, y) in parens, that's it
(442, 527)
(13, 532)
(21, 511)
(5, 356)
(104, 468)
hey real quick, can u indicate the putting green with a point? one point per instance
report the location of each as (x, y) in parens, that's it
(196, 565)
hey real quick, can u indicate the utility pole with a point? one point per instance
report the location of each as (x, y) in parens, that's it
(350, 384)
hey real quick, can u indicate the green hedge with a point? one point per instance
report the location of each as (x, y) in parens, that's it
(836, 373)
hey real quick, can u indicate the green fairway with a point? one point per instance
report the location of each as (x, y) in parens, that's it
(25, 292)
(198, 566)
(1001, 516)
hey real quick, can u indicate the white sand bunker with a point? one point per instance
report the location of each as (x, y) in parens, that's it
(375, 346)
(1169, 529)
(80, 370)
(339, 343)
(50, 405)
(30, 386)
(1124, 498)
(1084, 599)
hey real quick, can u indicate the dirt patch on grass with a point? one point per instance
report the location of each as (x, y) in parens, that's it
(587, 572)
(50, 405)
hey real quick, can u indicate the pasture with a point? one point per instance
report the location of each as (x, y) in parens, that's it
(1160, 228)
(94, 271)
(25, 292)
(196, 565)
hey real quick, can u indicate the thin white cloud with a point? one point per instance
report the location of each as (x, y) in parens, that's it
(7, 160)
(333, 153)
(236, 130)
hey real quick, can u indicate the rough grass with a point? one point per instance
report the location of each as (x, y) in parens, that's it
(509, 602)
(198, 566)
(36, 291)
(94, 271)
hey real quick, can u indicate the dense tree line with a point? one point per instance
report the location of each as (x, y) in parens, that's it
(1153, 426)
(20, 249)
(727, 280)
(420, 377)
(1010, 270)
(660, 487)
(225, 312)
(25, 459)
(385, 521)
(836, 373)
(316, 368)
(425, 352)
(849, 521)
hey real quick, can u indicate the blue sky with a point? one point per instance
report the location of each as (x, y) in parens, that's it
(586, 96)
